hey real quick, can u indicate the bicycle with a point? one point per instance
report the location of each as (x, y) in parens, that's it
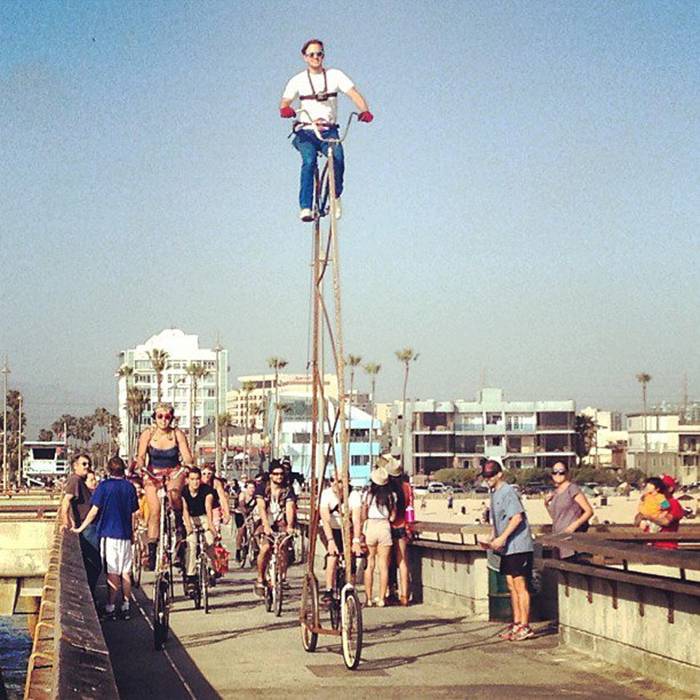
(274, 583)
(346, 604)
(249, 544)
(137, 554)
(163, 585)
(200, 594)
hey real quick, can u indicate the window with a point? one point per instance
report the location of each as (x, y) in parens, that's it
(493, 418)
(359, 460)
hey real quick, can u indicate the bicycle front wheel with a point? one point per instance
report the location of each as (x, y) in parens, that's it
(351, 630)
(136, 563)
(204, 583)
(309, 613)
(161, 611)
(277, 594)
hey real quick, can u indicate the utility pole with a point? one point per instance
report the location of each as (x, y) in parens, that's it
(5, 466)
(19, 445)
(217, 428)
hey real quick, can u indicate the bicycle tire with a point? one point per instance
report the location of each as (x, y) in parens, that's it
(204, 583)
(268, 598)
(351, 630)
(136, 563)
(277, 596)
(243, 555)
(161, 611)
(309, 613)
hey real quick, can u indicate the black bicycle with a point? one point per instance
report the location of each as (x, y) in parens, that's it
(200, 590)
(249, 544)
(274, 574)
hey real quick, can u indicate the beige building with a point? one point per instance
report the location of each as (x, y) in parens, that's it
(610, 440)
(673, 445)
(238, 401)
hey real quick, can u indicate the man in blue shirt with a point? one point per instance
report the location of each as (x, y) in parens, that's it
(116, 503)
(512, 539)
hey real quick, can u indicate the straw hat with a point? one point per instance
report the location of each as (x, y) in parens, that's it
(379, 476)
(391, 464)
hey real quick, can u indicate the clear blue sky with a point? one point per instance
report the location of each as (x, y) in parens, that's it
(524, 204)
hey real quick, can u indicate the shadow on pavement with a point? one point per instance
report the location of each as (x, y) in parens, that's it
(143, 672)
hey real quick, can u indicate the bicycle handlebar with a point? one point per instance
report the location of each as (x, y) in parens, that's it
(315, 126)
(164, 477)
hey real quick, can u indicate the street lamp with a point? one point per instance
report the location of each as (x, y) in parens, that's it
(217, 428)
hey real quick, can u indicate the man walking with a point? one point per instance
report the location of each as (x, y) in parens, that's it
(512, 539)
(116, 502)
(74, 509)
(317, 90)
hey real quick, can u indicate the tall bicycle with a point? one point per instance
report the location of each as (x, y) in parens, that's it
(163, 586)
(326, 259)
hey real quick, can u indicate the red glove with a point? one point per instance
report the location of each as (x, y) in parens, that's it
(366, 116)
(288, 113)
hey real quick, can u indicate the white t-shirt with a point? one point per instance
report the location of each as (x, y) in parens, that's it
(330, 500)
(374, 511)
(299, 86)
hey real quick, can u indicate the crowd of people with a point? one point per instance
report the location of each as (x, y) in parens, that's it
(110, 514)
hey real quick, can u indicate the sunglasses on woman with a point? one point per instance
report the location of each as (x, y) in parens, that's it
(166, 416)
(560, 472)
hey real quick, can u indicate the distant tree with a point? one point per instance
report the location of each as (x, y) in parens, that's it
(405, 356)
(584, 438)
(45, 435)
(159, 362)
(372, 370)
(277, 364)
(643, 378)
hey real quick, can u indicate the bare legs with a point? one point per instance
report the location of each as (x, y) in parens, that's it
(378, 554)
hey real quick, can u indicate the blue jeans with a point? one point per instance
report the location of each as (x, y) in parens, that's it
(308, 144)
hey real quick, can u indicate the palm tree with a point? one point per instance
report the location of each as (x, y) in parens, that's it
(196, 372)
(643, 378)
(586, 428)
(225, 422)
(135, 405)
(159, 362)
(405, 356)
(127, 372)
(352, 361)
(276, 363)
(246, 388)
(101, 419)
(372, 369)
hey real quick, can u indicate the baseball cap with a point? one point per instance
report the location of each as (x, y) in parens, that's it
(490, 468)
(669, 481)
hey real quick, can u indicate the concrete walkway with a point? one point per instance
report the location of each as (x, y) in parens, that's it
(239, 650)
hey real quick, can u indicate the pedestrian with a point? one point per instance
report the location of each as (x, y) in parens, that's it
(403, 494)
(74, 509)
(568, 507)
(378, 511)
(317, 90)
(116, 503)
(512, 540)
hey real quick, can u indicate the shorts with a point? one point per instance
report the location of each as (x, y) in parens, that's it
(160, 473)
(240, 519)
(116, 555)
(377, 533)
(517, 564)
(277, 526)
(398, 533)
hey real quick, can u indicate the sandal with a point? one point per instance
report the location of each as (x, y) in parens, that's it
(259, 588)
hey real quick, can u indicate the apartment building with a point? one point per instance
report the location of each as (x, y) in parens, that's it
(673, 445)
(239, 402)
(519, 434)
(609, 448)
(177, 386)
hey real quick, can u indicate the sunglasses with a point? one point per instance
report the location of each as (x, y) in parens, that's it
(207, 473)
(85, 464)
(277, 473)
(560, 472)
(166, 416)
(315, 54)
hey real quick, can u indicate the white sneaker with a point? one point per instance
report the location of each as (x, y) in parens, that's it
(338, 208)
(306, 215)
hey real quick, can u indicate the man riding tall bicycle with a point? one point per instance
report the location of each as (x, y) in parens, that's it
(277, 507)
(317, 90)
(164, 452)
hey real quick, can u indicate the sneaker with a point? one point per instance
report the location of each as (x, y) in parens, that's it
(380, 602)
(259, 589)
(508, 631)
(126, 613)
(306, 215)
(338, 208)
(109, 614)
(523, 632)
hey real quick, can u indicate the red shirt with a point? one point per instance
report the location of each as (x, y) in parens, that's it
(400, 520)
(676, 512)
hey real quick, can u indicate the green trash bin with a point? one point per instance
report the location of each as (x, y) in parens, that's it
(500, 608)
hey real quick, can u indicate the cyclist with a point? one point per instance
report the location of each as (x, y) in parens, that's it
(198, 512)
(331, 522)
(222, 511)
(277, 507)
(245, 508)
(317, 90)
(163, 449)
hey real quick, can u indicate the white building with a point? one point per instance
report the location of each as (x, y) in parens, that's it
(177, 386)
(263, 385)
(609, 440)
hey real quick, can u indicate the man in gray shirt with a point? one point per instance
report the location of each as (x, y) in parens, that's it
(512, 539)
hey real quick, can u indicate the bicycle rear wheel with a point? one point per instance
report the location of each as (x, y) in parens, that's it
(277, 593)
(351, 630)
(161, 611)
(309, 613)
(136, 563)
(244, 554)
(204, 582)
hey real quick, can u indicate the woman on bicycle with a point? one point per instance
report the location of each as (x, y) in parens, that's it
(162, 451)
(222, 511)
